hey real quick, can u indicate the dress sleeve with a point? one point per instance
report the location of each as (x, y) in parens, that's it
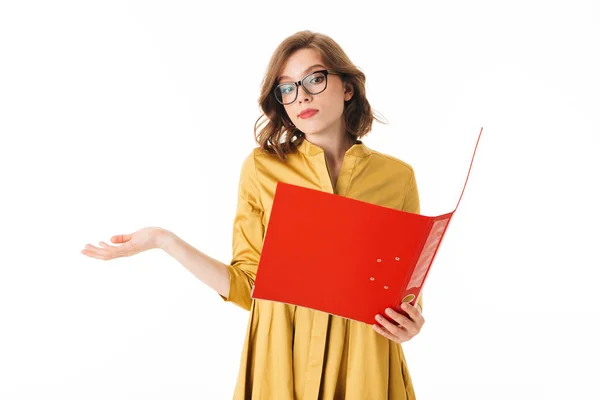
(248, 235)
(412, 204)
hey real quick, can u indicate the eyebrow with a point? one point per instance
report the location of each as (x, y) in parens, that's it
(305, 71)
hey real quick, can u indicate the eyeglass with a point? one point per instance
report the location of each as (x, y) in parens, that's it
(313, 83)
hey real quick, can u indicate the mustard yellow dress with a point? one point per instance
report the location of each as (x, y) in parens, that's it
(295, 353)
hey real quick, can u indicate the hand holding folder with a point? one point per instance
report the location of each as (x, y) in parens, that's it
(341, 275)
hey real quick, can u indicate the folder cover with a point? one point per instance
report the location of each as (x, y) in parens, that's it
(355, 268)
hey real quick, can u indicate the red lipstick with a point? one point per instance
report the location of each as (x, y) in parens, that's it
(309, 112)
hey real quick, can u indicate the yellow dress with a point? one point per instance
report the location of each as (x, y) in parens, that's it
(295, 353)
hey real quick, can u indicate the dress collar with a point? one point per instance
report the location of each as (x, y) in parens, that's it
(358, 149)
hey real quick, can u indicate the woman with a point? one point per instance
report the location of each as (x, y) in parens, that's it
(315, 112)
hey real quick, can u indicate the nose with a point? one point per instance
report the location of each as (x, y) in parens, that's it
(303, 95)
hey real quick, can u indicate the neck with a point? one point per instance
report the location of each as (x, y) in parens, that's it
(334, 145)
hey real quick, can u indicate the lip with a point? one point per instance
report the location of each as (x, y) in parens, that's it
(309, 112)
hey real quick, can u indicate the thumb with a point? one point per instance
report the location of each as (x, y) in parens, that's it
(120, 238)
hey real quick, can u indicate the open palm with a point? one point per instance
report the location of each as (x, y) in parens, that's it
(129, 244)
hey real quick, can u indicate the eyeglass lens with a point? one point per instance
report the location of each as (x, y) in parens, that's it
(314, 83)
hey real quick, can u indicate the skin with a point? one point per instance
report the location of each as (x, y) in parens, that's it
(325, 129)
(401, 328)
(130, 244)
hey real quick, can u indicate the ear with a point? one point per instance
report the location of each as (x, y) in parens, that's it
(348, 91)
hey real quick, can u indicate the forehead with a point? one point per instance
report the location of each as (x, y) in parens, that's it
(299, 63)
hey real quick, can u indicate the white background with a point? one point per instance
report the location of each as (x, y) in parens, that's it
(117, 115)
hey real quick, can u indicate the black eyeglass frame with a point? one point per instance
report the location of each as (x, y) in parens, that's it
(300, 83)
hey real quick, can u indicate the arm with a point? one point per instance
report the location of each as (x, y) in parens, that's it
(210, 271)
(232, 282)
(248, 236)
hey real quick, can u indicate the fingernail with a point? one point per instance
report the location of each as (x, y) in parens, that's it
(405, 305)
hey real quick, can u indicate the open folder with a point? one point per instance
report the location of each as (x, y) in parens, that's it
(339, 274)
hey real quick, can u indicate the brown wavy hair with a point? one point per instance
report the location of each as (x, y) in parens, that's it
(273, 130)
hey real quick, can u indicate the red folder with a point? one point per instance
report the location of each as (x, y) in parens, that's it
(318, 257)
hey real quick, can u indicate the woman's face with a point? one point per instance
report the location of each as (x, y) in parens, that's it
(329, 104)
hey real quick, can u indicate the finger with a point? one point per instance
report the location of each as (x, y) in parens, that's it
(390, 326)
(412, 324)
(383, 332)
(415, 313)
(397, 317)
(120, 238)
(108, 246)
(94, 248)
(102, 253)
(402, 337)
(94, 254)
(412, 311)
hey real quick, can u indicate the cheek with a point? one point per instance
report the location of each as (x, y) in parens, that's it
(290, 114)
(336, 99)
(335, 105)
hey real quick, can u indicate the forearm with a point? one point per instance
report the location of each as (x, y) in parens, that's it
(210, 271)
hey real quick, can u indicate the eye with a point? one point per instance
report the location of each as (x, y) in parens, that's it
(317, 79)
(287, 89)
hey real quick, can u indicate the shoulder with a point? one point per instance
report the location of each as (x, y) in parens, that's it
(261, 160)
(248, 168)
(255, 154)
(257, 160)
(259, 153)
(401, 176)
(391, 163)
